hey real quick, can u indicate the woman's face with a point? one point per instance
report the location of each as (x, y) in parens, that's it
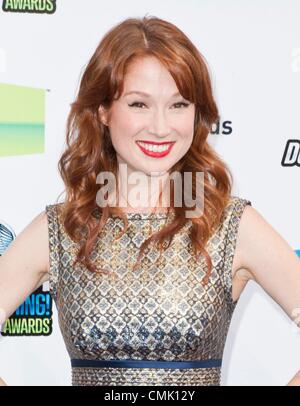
(157, 116)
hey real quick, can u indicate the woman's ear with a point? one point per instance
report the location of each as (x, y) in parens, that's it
(102, 115)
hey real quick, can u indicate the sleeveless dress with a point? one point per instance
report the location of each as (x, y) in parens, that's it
(157, 325)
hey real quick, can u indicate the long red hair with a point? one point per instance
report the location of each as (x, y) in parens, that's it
(89, 149)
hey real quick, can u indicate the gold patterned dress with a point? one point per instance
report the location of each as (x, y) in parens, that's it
(157, 325)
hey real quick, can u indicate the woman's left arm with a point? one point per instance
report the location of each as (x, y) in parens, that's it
(272, 263)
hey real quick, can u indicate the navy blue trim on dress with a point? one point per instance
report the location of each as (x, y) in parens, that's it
(96, 363)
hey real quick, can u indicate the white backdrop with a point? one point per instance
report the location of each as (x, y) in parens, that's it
(253, 51)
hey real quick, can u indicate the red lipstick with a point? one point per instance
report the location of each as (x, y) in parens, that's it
(156, 154)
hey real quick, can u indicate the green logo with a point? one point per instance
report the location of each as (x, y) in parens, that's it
(29, 6)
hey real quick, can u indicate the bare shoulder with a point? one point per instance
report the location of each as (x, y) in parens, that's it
(269, 259)
(257, 240)
(32, 244)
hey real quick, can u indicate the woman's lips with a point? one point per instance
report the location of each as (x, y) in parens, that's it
(156, 154)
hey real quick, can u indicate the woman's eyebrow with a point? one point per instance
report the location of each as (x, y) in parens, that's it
(146, 94)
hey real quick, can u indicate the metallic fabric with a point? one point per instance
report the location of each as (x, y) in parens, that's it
(158, 312)
(145, 377)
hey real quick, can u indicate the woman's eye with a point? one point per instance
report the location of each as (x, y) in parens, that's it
(134, 104)
(183, 104)
(140, 103)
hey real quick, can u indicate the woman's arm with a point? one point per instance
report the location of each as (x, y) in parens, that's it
(24, 266)
(272, 263)
(2, 383)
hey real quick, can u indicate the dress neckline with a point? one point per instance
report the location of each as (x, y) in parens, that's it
(145, 215)
(141, 215)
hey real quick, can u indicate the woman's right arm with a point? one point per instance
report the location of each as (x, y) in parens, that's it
(24, 266)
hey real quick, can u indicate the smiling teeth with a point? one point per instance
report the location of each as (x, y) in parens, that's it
(154, 148)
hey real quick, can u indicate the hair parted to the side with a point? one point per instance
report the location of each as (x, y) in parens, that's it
(89, 149)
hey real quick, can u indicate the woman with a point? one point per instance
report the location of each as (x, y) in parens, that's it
(149, 303)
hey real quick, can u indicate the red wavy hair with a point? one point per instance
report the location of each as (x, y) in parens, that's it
(89, 149)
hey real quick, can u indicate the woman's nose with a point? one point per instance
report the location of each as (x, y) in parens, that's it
(159, 125)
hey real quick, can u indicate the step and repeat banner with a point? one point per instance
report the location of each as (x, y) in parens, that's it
(253, 53)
